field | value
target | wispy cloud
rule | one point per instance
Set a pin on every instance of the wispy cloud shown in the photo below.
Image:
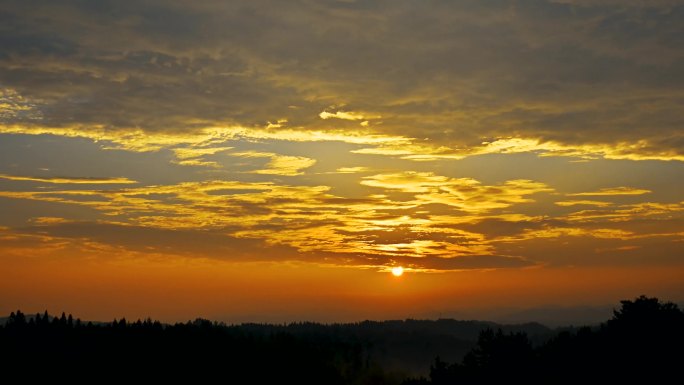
(68, 180)
(192, 156)
(279, 164)
(511, 75)
(346, 115)
(612, 191)
(304, 141)
(438, 217)
(352, 170)
(582, 203)
(463, 193)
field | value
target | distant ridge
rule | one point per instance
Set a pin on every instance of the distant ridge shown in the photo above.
(408, 345)
(642, 332)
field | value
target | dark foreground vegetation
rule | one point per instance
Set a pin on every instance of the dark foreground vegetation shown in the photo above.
(642, 343)
(644, 339)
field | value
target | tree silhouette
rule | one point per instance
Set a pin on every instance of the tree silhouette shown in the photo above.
(643, 340)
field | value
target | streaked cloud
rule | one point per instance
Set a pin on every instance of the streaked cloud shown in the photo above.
(557, 78)
(629, 212)
(583, 203)
(412, 182)
(13, 106)
(347, 115)
(610, 191)
(439, 219)
(352, 170)
(68, 180)
(463, 193)
(279, 164)
(194, 156)
(49, 220)
(438, 135)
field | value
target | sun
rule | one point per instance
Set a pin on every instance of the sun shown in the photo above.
(397, 271)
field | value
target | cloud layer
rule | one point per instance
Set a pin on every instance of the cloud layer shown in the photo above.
(567, 78)
(439, 135)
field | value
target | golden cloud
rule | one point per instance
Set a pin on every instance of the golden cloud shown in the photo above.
(403, 147)
(639, 150)
(463, 193)
(412, 150)
(310, 219)
(307, 218)
(192, 156)
(347, 115)
(408, 181)
(279, 164)
(190, 97)
(610, 191)
(49, 220)
(626, 213)
(582, 203)
(68, 180)
(352, 170)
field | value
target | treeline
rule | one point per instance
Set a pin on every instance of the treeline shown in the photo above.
(64, 348)
(404, 347)
(642, 343)
(380, 352)
(644, 339)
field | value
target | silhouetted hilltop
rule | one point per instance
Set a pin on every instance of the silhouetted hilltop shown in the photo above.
(407, 346)
(643, 335)
(641, 343)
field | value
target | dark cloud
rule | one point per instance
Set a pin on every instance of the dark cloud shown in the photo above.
(498, 227)
(585, 250)
(426, 263)
(188, 243)
(574, 72)
(467, 262)
(218, 245)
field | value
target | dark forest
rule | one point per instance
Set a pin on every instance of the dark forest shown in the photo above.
(643, 339)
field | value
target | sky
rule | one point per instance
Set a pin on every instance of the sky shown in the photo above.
(273, 161)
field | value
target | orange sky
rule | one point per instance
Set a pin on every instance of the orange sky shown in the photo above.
(179, 289)
(263, 160)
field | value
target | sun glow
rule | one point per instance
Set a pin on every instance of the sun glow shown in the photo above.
(397, 271)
